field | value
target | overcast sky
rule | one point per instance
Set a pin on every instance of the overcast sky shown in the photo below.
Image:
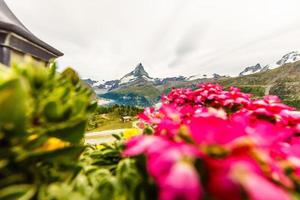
(104, 39)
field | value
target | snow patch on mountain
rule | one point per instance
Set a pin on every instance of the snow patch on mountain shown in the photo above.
(98, 83)
(138, 74)
(127, 79)
(251, 70)
(203, 76)
(291, 57)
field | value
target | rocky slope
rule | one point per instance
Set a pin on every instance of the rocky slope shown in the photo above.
(283, 81)
(288, 58)
(251, 70)
(140, 89)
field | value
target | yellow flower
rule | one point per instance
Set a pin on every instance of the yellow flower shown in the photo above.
(54, 144)
(129, 133)
(99, 146)
(32, 137)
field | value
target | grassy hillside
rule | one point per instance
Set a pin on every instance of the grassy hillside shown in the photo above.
(108, 121)
(109, 118)
(143, 95)
(283, 82)
(149, 91)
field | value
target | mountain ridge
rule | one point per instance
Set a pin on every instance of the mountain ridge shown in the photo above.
(139, 88)
(287, 58)
(283, 81)
(140, 76)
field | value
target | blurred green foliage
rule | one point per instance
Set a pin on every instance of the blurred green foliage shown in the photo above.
(42, 122)
(103, 175)
(42, 153)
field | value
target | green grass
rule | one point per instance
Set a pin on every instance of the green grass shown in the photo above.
(108, 121)
(283, 82)
(295, 103)
(257, 90)
(149, 91)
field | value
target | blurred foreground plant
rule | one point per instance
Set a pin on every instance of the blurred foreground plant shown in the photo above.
(103, 175)
(207, 143)
(42, 122)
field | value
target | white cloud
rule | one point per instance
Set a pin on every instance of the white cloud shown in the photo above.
(104, 39)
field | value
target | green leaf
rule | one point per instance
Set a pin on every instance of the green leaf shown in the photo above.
(117, 136)
(20, 192)
(72, 132)
(55, 113)
(13, 101)
(71, 75)
(105, 189)
(92, 107)
(51, 111)
(64, 155)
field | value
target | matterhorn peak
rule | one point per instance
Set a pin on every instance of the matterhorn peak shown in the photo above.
(138, 74)
(139, 71)
(139, 66)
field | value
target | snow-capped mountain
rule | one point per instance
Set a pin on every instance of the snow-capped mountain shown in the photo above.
(138, 88)
(162, 81)
(90, 81)
(98, 83)
(101, 87)
(139, 76)
(288, 58)
(94, 83)
(203, 76)
(251, 70)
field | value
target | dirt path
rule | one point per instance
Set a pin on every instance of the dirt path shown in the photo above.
(101, 136)
(267, 90)
(271, 84)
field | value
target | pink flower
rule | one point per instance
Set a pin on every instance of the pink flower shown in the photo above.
(220, 185)
(290, 118)
(181, 183)
(214, 130)
(242, 148)
(169, 156)
(144, 144)
(269, 107)
(256, 186)
(168, 165)
(150, 116)
(266, 133)
(297, 128)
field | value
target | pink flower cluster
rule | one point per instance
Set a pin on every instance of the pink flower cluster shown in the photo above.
(210, 143)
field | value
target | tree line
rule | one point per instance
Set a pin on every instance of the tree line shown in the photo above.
(121, 110)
